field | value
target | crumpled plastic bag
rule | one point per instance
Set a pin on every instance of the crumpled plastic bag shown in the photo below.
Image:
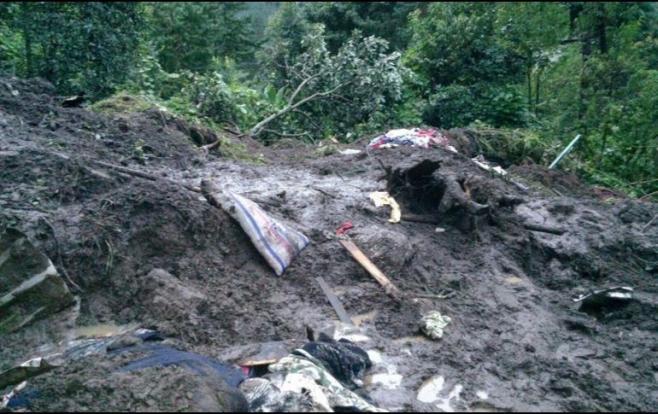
(433, 323)
(383, 198)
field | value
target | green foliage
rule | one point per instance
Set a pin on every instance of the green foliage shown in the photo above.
(77, 46)
(123, 102)
(511, 145)
(530, 76)
(467, 70)
(386, 20)
(188, 36)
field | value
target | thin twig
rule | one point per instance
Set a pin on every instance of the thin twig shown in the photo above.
(59, 256)
(649, 223)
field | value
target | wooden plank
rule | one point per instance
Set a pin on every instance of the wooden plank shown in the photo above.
(335, 302)
(374, 271)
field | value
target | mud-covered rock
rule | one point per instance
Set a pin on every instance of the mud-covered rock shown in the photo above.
(30, 286)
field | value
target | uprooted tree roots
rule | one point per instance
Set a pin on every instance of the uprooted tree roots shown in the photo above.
(431, 195)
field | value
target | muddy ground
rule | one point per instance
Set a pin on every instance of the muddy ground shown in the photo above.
(516, 341)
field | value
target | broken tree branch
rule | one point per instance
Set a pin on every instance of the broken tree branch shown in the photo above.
(258, 128)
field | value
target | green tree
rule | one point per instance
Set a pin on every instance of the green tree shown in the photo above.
(386, 20)
(467, 71)
(77, 46)
(187, 36)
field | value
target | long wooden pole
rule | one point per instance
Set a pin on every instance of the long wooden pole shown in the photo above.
(374, 271)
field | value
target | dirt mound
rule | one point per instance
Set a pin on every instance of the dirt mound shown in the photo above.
(157, 254)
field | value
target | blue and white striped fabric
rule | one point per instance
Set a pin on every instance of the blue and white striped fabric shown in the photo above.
(279, 244)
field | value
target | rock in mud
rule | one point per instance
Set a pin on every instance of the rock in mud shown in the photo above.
(30, 287)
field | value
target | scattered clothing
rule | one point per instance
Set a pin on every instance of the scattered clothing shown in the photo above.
(605, 300)
(432, 324)
(299, 382)
(344, 360)
(383, 198)
(416, 137)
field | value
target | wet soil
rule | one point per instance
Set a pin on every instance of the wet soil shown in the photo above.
(158, 255)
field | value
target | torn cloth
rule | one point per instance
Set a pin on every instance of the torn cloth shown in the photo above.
(301, 383)
(344, 360)
(416, 137)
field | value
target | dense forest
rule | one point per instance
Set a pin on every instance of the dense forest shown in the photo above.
(537, 74)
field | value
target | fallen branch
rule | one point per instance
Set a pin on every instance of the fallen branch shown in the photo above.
(257, 129)
(544, 229)
(211, 145)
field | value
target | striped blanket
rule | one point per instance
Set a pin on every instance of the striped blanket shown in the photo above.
(278, 243)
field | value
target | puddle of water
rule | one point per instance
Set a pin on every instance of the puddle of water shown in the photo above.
(387, 380)
(411, 339)
(364, 317)
(481, 395)
(351, 333)
(444, 404)
(375, 357)
(429, 391)
(102, 330)
(513, 280)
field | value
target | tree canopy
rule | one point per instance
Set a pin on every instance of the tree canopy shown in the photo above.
(318, 70)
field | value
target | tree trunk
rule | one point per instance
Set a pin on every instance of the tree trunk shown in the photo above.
(27, 40)
(601, 29)
(529, 63)
(539, 71)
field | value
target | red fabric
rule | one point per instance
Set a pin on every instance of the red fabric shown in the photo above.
(344, 228)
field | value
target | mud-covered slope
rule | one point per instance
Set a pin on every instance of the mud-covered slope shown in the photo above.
(516, 335)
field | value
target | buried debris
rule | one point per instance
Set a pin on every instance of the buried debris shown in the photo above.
(31, 288)
(131, 368)
(278, 243)
(303, 383)
(383, 198)
(433, 323)
(605, 300)
(346, 361)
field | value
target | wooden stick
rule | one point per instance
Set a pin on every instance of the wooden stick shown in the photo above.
(374, 271)
(419, 218)
(335, 302)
